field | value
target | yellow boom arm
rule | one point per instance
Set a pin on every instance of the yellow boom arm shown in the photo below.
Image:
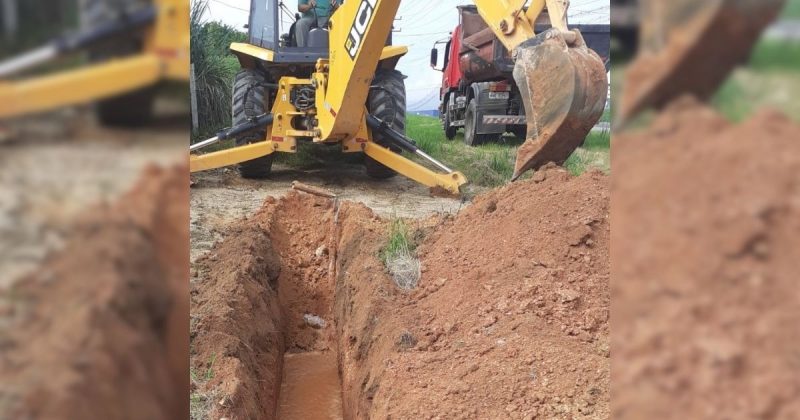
(165, 57)
(358, 33)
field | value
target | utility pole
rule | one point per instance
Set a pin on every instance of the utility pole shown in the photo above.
(193, 95)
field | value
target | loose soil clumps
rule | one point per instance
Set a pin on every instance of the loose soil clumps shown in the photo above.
(705, 247)
(510, 319)
(100, 330)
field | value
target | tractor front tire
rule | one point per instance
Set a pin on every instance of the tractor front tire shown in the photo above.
(387, 102)
(251, 98)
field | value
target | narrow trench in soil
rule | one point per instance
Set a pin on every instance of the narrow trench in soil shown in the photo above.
(311, 385)
(311, 389)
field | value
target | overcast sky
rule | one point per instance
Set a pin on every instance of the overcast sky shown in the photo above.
(420, 24)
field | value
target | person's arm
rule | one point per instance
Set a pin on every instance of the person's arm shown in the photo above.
(305, 7)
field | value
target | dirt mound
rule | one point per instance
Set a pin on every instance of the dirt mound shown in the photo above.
(510, 319)
(705, 248)
(99, 331)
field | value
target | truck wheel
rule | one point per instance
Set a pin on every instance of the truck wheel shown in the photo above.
(520, 131)
(449, 130)
(251, 99)
(471, 137)
(130, 109)
(386, 101)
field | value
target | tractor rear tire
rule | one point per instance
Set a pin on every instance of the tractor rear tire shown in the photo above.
(130, 109)
(471, 136)
(251, 99)
(386, 101)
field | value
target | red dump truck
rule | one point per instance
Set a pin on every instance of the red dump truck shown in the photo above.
(478, 92)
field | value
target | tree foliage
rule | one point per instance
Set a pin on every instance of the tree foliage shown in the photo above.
(214, 69)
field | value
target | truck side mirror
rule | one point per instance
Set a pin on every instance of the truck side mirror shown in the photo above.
(435, 58)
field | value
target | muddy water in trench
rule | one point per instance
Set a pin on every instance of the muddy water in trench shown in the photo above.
(311, 389)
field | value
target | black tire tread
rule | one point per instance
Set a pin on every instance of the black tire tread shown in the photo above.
(471, 138)
(449, 131)
(387, 101)
(129, 109)
(250, 99)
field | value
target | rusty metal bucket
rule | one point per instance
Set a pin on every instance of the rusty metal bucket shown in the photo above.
(690, 47)
(564, 89)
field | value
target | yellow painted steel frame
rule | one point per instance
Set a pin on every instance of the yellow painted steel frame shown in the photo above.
(447, 182)
(513, 25)
(359, 29)
(282, 137)
(165, 57)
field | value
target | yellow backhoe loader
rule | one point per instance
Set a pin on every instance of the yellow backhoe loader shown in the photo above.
(132, 46)
(342, 87)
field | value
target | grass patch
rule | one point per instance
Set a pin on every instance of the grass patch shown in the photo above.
(731, 101)
(606, 115)
(200, 403)
(488, 165)
(748, 90)
(399, 258)
(400, 241)
(791, 10)
(598, 140)
(491, 165)
(771, 54)
(200, 406)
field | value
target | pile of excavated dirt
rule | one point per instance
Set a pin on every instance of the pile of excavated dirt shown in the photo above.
(100, 330)
(705, 248)
(510, 319)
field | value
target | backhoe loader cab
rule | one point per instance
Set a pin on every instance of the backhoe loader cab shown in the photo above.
(272, 26)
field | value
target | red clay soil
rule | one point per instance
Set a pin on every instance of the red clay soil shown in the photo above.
(510, 319)
(249, 296)
(705, 248)
(100, 330)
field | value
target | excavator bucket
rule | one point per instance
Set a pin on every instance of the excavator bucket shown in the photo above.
(564, 89)
(690, 47)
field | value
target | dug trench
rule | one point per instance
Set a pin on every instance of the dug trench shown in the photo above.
(295, 316)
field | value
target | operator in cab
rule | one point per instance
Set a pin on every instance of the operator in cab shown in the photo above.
(316, 14)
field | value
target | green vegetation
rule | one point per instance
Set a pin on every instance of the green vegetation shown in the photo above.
(214, 70)
(491, 165)
(775, 55)
(400, 241)
(792, 10)
(399, 258)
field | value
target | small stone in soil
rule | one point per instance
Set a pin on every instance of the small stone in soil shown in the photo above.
(314, 321)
